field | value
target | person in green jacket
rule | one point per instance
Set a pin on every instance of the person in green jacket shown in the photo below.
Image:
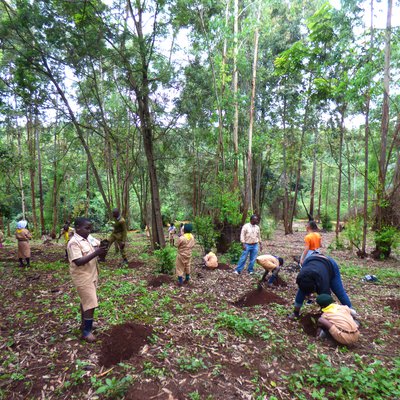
(119, 234)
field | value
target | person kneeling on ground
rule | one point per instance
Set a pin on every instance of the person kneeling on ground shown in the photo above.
(83, 269)
(210, 259)
(270, 264)
(337, 320)
(184, 256)
(319, 274)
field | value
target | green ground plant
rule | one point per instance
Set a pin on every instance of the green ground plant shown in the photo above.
(325, 381)
(234, 252)
(165, 260)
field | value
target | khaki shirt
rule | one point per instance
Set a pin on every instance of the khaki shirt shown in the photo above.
(250, 234)
(341, 317)
(87, 273)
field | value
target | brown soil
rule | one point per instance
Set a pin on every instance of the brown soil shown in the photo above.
(159, 280)
(258, 297)
(394, 304)
(123, 342)
(280, 282)
(223, 267)
(309, 323)
(136, 264)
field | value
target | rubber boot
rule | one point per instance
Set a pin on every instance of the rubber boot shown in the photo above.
(87, 331)
(21, 263)
(28, 262)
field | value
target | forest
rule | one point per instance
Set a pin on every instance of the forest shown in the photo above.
(172, 110)
(206, 112)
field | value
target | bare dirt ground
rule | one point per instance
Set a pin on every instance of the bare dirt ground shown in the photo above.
(218, 337)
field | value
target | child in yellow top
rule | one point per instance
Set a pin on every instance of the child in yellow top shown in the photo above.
(210, 259)
(313, 241)
(184, 256)
(338, 320)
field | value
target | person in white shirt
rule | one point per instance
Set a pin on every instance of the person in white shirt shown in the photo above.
(250, 238)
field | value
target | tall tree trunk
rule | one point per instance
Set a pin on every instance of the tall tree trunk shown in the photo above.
(248, 195)
(39, 160)
(32, 169)
(156, 219)
(384, 123)
(235, 96)
(285, 210)
(54, 196)
(314, 173)
(320, 193)
(21, 172)
(340, 172)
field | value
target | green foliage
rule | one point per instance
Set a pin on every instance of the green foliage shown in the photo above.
(386, 239)
(268, 227)
(325, 381)
(234, 252)
(191, 364)
(326, 222)
(114, 388)
(354, 232)
(205, 232)
(166, 259)
(243, 326)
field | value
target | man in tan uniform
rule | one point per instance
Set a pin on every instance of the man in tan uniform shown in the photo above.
(184, 256)
(84, 273)
(337, 320)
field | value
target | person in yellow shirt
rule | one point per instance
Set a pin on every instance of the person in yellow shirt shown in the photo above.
(184, 257)
(67, 231)
(210, 259)
(313, 241)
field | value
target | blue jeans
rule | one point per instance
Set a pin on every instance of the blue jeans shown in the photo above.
(336, 285)
(251, 249)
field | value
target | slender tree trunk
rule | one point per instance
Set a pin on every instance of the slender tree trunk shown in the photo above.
(314, 173)
(21, 172)
(32, 169)
(39, 160)
(340, 172)
(248, 195)
(320, 193)
(285, 216)
(384, 122)
(54, 197)
(235, 96)
(349, 194)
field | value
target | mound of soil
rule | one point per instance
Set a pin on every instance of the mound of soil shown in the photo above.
(123, 342)
(223, 266)
(257, 297)
(309, 323)
(394, 304)
(135, 264)
(159, 280)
